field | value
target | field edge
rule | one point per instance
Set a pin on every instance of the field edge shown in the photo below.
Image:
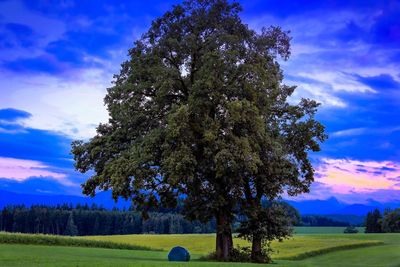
(323, 251)
(51, 240)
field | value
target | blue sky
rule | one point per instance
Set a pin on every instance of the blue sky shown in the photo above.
(58, 57)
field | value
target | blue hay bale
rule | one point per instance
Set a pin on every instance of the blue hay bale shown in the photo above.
(179, 254)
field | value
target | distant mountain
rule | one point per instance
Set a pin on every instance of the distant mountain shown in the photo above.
(101, 199)
(321, 207)
(333, 206)
(357, 209)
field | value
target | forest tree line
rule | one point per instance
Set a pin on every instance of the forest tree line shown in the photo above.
(388, 222)
(84, 220)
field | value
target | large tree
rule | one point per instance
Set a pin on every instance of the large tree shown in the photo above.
(200, 110)
(281, 142)
(391, 221)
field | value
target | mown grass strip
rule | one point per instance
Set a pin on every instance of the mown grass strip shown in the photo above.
(313, 253)
(50, 240)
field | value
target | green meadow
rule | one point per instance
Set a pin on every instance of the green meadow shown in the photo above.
(202, 244)
(311, 246)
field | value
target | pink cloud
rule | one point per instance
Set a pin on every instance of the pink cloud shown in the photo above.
(346, 176)
(21, 170)
(355, 181)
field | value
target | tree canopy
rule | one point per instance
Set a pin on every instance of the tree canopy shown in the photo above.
(200, 109)
(373, 222)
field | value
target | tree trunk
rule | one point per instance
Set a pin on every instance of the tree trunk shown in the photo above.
(224, 242)
(256, 247)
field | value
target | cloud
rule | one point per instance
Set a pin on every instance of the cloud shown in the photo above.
(355, 181)
(365, 131)
(43, 154)
(325, 86)
(386, 29)
(41, 64)
(62, 80)
(17, 141)
(27, 32)
(318, 92)
(10, 120)
(71, 107)
(65, 37)
(346, 176)
(21, 170)
(379, 82)
(339, 81)
(323, 191)
(76, 64)
(18, 35)
(349, 132)
(10, 114)
(335, 46)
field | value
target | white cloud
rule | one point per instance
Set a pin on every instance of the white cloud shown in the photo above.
(349, 132)
(364, 131)
(72, 106)
(339, 81)
(316, 92)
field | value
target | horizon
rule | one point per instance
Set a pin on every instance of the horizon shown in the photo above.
(56, 64)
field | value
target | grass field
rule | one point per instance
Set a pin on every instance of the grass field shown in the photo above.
(204, 243)
(326, 243)
(34, 239)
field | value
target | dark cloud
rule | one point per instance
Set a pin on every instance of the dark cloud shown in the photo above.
(77, 46)
(351, 32)
(339, 168)
(41, 64)
(92, 31)
(20, 142)
(382, 33)
(387, 169)
(11, 114)
(19, 30)
(64, 51)
(16, 35)
(386, 30)
(383, 81)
